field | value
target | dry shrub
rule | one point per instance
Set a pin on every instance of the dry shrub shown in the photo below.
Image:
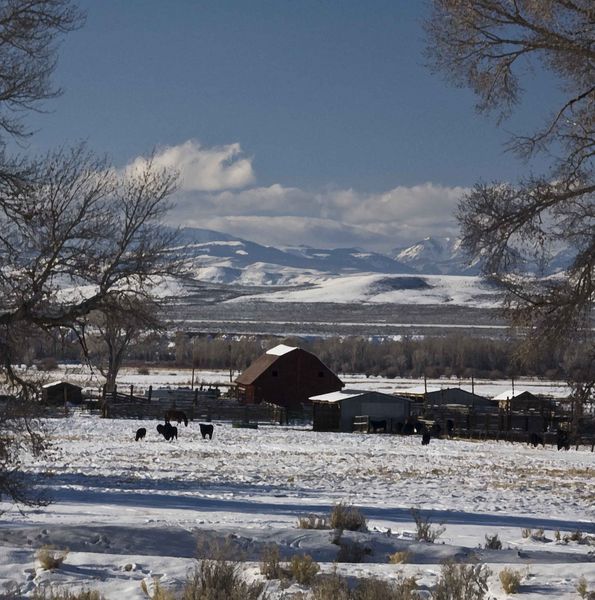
(526, 533)
(344, 516)
(50, 557)
(493, 542)
(352, 552)
(157, 593)
(539, 536)
(377, 589)
(313, 522)
(461, 582)
(60, 594)
(222, 549)
(303, 568)
(331, 587)
(581, 587)
(510, 580)
(425, 532)
(574, 536)
(270, 565)
(143, 371)
(217, 579)
(399, 558)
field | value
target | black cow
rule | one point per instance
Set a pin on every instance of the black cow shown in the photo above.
(168, 431)
(535, 439)
(140, 433)
(379, 425)
(562, 439)
(425, 438)
(206, 429)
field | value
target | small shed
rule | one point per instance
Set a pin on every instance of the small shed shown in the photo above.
(458, 397)
(524, 401)
(286, 376)
(338, 410)
(59, 393)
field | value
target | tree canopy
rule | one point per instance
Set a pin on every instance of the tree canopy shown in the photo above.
(493, 47)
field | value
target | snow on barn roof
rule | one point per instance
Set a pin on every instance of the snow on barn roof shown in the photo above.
(420, 389)
(338, 395)
(281, 349)
(508, 394)
(52, 384)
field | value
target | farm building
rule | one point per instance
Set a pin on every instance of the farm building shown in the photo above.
(338, 411)
(458, 397)
(523, 400)
(59, 393)
(286, 376)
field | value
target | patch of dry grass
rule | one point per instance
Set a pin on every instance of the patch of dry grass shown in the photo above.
(50, 557)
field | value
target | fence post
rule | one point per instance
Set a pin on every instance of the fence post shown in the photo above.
(150, 392)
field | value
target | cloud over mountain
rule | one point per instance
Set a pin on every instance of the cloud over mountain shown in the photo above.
(217, 191)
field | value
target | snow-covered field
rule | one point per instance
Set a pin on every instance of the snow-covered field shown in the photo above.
(130, 511)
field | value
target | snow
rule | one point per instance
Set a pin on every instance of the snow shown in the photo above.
(338, 396)
(281, 349)
(382, 288)
(510, 393)
(130, 511)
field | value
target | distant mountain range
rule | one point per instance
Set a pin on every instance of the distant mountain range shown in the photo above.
(222, 258)
(432, 271)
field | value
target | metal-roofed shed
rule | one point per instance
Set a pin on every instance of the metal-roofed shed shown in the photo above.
(336, 411)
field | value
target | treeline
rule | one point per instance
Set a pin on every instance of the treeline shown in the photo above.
(451, 355)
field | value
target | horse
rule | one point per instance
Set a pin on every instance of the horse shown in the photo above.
(140, 433)
(206, 429)
(176, 415)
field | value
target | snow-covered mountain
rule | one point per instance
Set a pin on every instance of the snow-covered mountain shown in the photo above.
(432, 271)
(221, 258)
(444, 256)
(435, 256)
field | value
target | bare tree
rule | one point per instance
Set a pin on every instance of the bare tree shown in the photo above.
(109, 334)
(76, 235)
(492, 46)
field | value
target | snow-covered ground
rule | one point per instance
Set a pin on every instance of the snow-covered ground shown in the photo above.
(130, 511)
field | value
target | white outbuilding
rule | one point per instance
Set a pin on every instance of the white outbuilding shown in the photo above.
(350, 410)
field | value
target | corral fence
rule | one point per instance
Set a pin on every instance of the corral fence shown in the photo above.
(198, 405)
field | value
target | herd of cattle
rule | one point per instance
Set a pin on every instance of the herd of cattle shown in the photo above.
(170, 432)
(428, 431)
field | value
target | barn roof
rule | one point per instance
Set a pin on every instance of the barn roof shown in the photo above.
(420, 389)
(509, 394)
(256, 369)
(340, 395)
(281, 349)
(52, 384)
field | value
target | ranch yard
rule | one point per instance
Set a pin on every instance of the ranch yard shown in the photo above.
(131, 511)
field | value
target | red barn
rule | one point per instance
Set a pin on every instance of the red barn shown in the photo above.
(286, 376)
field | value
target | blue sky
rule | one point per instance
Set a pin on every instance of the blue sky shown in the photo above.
(315, 116)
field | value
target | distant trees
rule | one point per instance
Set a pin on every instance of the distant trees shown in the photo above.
(491, 46)
(76, 236)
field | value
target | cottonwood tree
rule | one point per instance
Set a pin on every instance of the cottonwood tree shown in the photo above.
(76, 235)
(110, 333)
(492, 47)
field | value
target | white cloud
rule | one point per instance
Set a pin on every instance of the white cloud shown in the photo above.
(215, 193)
(203, 169)
(277, 215)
